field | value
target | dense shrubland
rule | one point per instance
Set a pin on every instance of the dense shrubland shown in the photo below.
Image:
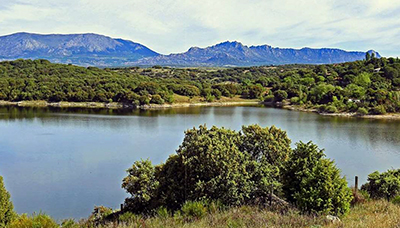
(371, 86)
(22, 80)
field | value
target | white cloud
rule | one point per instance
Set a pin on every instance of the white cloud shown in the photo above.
(175, 25)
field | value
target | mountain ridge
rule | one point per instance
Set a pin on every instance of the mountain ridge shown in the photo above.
(81, 49)
(90, 49)
(236, 54)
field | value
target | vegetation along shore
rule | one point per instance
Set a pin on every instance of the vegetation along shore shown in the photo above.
(363, 88)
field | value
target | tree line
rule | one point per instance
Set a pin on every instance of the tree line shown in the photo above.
(370, 86)
(22, 80)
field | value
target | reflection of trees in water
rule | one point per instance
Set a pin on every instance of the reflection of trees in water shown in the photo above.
(15, 112)
(86, 117)
(373, 132)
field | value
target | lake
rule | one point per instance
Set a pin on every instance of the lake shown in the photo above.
(65, 161)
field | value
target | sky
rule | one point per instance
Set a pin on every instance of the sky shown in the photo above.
(172, 26)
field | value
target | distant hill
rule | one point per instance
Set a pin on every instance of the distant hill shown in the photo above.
(237, 54)
(79, 49)
(98, 50)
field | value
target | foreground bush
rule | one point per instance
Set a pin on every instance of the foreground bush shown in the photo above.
(194, 210)
(34, 221)
(238, 168)
(6, 206)
(141, 184)
(313, 183)
(211, 164)
(383, 185)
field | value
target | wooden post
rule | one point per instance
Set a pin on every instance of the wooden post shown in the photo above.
(356, 184)
(270, 195)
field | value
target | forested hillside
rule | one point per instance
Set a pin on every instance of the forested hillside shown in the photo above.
(370, 86)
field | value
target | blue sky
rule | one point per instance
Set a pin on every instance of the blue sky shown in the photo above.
(170, 26)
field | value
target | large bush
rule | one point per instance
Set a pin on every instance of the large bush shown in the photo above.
(6, 206)
(236, 168)
(383, 185)
(313, 183)
(211, 164)
(269, 149)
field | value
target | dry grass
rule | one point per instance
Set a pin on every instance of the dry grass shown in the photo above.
(184, 99)
(372, 214)
(236, 98)
(234, 218)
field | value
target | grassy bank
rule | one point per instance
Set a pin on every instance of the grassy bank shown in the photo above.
(371, 214)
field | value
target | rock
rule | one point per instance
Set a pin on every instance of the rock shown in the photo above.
(333, 219)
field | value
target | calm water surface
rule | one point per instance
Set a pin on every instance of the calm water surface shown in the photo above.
(63, 162)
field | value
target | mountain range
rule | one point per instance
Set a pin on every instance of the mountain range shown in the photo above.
(98, 50)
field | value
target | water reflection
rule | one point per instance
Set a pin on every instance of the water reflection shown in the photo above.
(73, 159)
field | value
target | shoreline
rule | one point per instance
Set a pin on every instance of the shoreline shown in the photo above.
(115, 105)
(388, 116)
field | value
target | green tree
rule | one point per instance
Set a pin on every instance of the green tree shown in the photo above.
(313, 183)
(280, 95)
(266, 145)
(156, 99)
(367, 56)
(383, 185)
(390, 72)
(144, 99)
(363, 79)
(214, 167)
(253, 91)
(322, 93)
(147, 87)
(7, 213)
(141, 184)
(355, 91)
